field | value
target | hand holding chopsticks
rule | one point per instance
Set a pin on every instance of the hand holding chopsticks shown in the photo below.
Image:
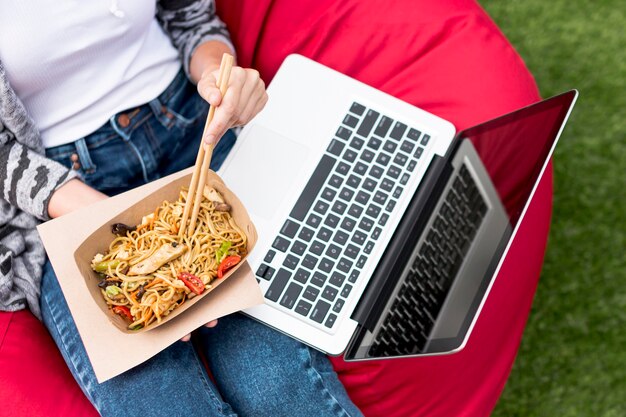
(203, 160)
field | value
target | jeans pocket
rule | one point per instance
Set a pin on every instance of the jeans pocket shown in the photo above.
(182, 108)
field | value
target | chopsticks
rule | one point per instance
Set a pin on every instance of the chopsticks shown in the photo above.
(203, 160)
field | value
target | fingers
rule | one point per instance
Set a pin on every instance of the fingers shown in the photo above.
(211, 324)
(186, 338)
(244, 98)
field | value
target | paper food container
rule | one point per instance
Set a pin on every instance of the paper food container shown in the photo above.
(99, 241)
(72, 240)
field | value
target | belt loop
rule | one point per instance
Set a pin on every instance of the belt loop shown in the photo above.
(84, 157)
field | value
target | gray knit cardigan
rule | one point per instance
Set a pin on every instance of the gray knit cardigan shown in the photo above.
(28, 179)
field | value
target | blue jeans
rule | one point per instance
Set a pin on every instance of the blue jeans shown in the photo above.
(258, 371)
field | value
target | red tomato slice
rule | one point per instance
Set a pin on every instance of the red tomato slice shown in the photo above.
(123, 311)
(226, 264)
(192, 282)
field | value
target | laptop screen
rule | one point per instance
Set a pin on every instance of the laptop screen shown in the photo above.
(514, 150)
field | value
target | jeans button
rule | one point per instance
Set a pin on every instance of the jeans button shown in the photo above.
(123, 120)
(74, 157)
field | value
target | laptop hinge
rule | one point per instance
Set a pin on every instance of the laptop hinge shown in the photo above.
(389, 269)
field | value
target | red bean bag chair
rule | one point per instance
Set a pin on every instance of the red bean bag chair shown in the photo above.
(444, 56)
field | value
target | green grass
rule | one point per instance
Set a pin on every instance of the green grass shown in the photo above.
(572, 361)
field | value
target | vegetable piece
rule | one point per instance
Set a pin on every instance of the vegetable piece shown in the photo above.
(163, 255)
(104, 265)
(136, 327)
(112, 290)
(192, 282)
(121, 229)
(123, 311)
(223, 250)
(226, 264)
(225, 207)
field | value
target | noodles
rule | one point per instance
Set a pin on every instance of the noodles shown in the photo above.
(148, 271)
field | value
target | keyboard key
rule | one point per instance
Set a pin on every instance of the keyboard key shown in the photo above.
(291, 295)
(418, 152)
(317, 247)
(400, 159)
(361, 262)
(397, 192)
(328, 194)
(314, 220)
(390, 146)
(311, 293)
(302, 275)
(329, 293)
(335, 147)
(261, 271)
(350, 121)
(355, 210)
(346, 194)
(404, 179)
(411, 166)
(383, 219)
(291, 261)
(407, 146)
(383, 159)
(357, 108)
(340, 237)
(376, 233)
(376, 171)
(357, 143)
(390, 205)
(320, 207)
(269, 274)
(367, 123)
(335, 181)
(318, 279)
(331, 221)
(338, 305)
(312, 188)
(343, 168)
(425, 140)
(346, 291)
(324, 234)
(414, 134)
(387, 184)
(398, 131)
(303, 308)
(369, 184)
(326, 265)
(344, 265)
(339, 207)
(343, 133)
(289, 228)
(368, 247)
(380, 197)
(360, 168)
(362, 197)
(394, 171)
(333, 251)
(366, 224)
(330, 321)
(353, 181)
(383, 126)
(373, 210)
(319, 311)
(269, 256)
(309, 261)
(281, 244)
(374, 143)
(347, 224)
(349, 155)
(367, 155)
(337, 279)
(359, 238)
(351, 251)
(278, 285)
(306, 234)
(354, 275)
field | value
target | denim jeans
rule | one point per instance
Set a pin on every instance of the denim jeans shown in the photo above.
(257, 371)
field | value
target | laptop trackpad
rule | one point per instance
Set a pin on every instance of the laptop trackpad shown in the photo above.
(263, 168)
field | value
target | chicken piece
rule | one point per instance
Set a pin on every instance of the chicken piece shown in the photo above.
(213, 195)
(163, 255)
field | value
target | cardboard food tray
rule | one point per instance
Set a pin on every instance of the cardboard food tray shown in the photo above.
(99, 241)
(69, 240)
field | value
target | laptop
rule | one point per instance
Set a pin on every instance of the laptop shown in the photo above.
(381, 230)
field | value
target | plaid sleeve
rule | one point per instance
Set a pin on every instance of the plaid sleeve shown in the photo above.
(190, 23)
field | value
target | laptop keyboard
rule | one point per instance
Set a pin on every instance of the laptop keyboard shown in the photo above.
(337, 220)
(422, 294)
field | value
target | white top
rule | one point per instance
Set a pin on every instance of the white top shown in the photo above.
(75, 63)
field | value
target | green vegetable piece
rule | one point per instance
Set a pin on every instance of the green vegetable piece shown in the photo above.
(136, 327)
(112, 290)
(223, 250)
(104, 265)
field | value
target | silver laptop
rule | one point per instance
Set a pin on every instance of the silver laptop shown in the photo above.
(380, 231)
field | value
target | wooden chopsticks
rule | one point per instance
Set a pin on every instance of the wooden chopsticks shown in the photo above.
(203, 160)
